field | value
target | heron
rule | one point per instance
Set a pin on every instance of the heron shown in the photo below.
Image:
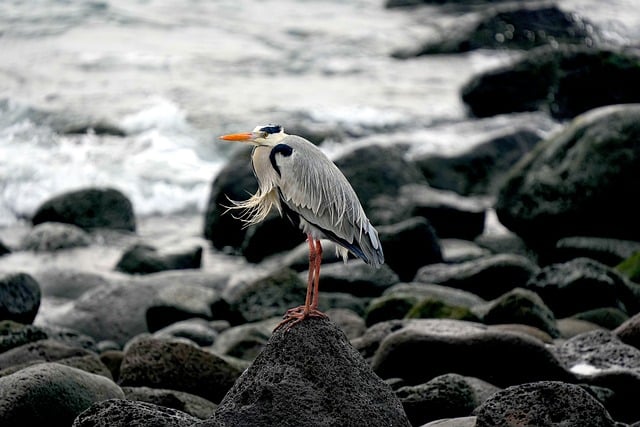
(303, 184)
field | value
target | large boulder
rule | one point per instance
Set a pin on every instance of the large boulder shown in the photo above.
(309, 375)
(558, 80)
(19, 297)
(89, 208)
(579, 181)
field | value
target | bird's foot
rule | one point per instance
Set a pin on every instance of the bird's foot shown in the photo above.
(296, 315)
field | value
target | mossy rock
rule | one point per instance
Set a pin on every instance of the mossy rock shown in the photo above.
(431, 308)
(630, 267)
(389, 307)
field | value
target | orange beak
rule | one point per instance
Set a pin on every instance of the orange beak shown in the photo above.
(237, 136)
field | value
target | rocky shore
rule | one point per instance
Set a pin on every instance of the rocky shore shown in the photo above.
(510, 295)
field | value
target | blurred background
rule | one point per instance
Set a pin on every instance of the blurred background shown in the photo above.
(133, 94)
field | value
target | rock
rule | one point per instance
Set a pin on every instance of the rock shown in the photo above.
(582, 284)
(88, 208)
(519, 306)
(19, 297)
(356, 277)
(362, 168)
(177, 366)
(274, 235)
(577, 182)
(4, 249)
(465, 348)
(145, 259)
(515, 28)
(191, 404)
(112, 359)
(453, 422)
(450, 296)
(234, 182)
(610, 252)
(51, 394)
(570, 327)
(481, 169)
(543, 403)
(557, 79)
(629, 331)
(331, 384)
(409, 245)
(348, 321)
(445, 396)
(14, 334)
(245, 341)
(266, 294)
(388, 307)
(53, 236)
(68, 283)
(487, 277)
(607, 317)
(197, 330)
(177, 302)
(119, 412)
(431, 308)
(46, 350)
(596, 352)
(456, 251)
(450, 214)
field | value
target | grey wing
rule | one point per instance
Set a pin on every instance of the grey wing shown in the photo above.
(312, 186)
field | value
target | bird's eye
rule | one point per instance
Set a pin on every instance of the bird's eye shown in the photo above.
(264, 134)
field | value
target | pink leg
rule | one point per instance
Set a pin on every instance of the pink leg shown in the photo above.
(310, 307)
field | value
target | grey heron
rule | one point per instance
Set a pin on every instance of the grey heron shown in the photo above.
(302, 183)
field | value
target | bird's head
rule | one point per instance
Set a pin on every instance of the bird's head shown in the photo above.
(269, 135)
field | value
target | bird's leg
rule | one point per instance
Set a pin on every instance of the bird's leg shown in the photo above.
(309, 309)
(316, 279)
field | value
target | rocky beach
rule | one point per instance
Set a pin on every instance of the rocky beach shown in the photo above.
(510, 293)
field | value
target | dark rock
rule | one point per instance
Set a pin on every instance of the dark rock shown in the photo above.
(191, 404)
(378, 170)
(456, 251)
(119, 412)
(543, 403)
(178, 302)
(515, 28)
(4, 249)
(445, 396)
(449, 295)
(145, 259)
(19, 297)
(450, 214)
(596, 352)
(582, 284)
(607, 317)
(607, 251)
(557, 79)
(629, 331)
(46, 350)
(352, 324)
(53, 236)
(431, 308)
(234, 182)
(89, 208)
(570, 327)
(487, 277)
(578, 182)
(66, 282)
(356, 278)
(481, 169)
(408, 245)
(177, 366)
(265, 295)
(245, 341)
(51, 394)
(112, 359)
(14, 334)
(520, 306)
(195, 329)
(465, 348)
(274, 235)
(309, 375)
(388, 307)
(411, 3)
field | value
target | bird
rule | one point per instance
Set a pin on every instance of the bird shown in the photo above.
(303, 184)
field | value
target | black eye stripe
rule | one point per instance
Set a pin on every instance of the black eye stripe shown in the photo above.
(270, 129)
